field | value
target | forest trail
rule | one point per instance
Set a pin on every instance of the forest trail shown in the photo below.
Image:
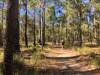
(67, 58)
(60, 60)
(60, 52)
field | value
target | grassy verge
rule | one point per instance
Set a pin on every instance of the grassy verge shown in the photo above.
(93, 55)
(24, 66)
(84, 50)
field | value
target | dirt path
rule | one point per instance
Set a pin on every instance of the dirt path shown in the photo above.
(63, 61)
(67, 58)
(60, 52)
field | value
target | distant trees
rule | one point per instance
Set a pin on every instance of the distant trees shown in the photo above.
(97, 21)
(79, 7)
(98, 34)
(52, 19)
(68, 28)
(33, 5)
(80, 24)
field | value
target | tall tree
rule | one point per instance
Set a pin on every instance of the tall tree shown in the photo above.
(34, 27)
(25, 34)
(11, 36)
(80, 12)
(1, 27)
(52, 19)
(80, 24)
(43, 22)
(33, 4)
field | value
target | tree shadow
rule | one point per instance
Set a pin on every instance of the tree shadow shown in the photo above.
(1, 68)
(22, 69)
(68, 71)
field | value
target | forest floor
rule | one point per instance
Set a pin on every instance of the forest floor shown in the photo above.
(58, 61)
(68, 61)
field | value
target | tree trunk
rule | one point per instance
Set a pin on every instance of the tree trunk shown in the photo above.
(25, 34)
(1, 41)
(53, 35)
(43, 22)
(79, 29)
(98, 34)
(11, 36)
(1, 29)
(34, 27)
(40, 28)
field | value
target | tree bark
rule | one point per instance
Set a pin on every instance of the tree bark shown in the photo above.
(43, 22)
(25, 34)
(1, 40)
(79, 28)
(11, 36)
(1, 29)
(40, 33)
(34, 27)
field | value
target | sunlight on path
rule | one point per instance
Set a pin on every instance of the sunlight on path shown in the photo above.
(65, 60)
(59, 58)
(59, 52)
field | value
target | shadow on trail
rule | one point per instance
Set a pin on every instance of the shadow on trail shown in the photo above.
(69, 72)
(1, 68)
(21, 69)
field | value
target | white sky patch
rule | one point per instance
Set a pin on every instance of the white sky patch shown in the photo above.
(62, 0)
(85, 1)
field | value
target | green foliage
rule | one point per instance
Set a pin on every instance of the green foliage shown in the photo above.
(33, 3)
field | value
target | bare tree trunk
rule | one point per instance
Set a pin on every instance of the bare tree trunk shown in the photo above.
(11, 36)
(25, 34)
(43, 21)
(53, 34)
(40, 28)
(98, 34)
(34, 27)
(1, 41)
(79, 29)
(1, 29)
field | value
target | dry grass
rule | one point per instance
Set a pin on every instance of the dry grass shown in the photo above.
(36, 59)
(1, 55)
(88, 50)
